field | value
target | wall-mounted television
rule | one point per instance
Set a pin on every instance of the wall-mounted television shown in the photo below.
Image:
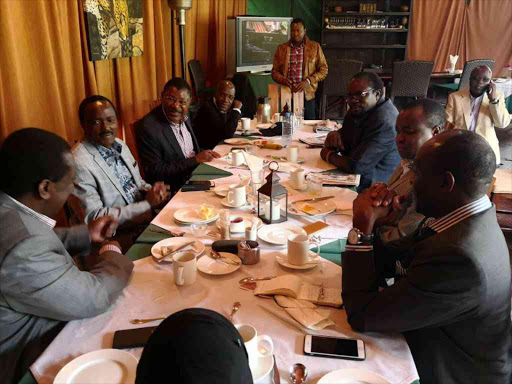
(252, 41)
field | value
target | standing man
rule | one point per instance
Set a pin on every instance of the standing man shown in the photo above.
(453, 303)
(40, 286)
(300, 64)
(365, 144)
(167, 145)
(480, 109)
(218, 118)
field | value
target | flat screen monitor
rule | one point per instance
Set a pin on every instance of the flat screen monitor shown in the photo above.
(256, 41)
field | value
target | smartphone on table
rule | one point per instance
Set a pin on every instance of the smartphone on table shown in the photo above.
(335, 347)
(132, 338)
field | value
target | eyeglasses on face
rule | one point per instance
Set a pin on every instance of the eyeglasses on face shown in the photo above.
(361, 95)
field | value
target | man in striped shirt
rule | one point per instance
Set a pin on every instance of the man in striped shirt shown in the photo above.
(453, 304)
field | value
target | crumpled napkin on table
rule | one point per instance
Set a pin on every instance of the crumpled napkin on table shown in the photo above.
(305, 312)
(453, 61)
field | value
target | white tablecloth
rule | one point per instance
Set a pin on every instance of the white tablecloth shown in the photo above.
(152, 293)
(505, 87)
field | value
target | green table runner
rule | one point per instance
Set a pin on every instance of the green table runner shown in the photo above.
(207, 172)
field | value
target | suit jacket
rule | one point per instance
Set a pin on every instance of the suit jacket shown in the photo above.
(314, 65)
(160, 152)
(40, 285)
(453, 306)
(491, 116)
(98, 191)
(211, 126)
(369, 141)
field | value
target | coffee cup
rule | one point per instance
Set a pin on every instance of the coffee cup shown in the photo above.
(252, 344)
(184, 267)
(246, 123)
(236, 195)
(277, 117)
(293, 154)
(297, 178)
(298, 249)
(237, 225)
(237, 157)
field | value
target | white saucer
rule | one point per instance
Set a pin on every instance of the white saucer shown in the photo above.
(278, 233)
(352, 376)
(265, 365)
(248, 217)
(221, 190)
(282, 259)
(225, 203)
(191, 216)
(105, 366)
(218, 267)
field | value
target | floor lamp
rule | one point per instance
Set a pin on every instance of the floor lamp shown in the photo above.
(180, 6)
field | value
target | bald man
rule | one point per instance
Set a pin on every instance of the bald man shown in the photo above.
(218, 118)
(480, 109)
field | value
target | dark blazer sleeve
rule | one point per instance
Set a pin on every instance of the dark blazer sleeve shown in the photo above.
(211, 127)
(377, 140)
(159, 159)
(444, 287)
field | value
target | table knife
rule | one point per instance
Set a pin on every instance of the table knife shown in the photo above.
(314, 200)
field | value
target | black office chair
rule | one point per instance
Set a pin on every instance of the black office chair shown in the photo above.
(411, 79)
(196, 71)
(340, 73)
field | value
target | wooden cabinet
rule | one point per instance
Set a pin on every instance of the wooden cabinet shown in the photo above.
(374, 32)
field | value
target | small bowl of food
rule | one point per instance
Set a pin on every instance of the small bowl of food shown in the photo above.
(198, 229)
(206, 212)
(237, 225)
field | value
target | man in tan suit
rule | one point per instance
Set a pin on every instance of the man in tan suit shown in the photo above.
(300, 64)
(480, 109)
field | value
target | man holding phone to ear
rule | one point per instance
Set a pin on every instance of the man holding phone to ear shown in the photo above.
(480, 109)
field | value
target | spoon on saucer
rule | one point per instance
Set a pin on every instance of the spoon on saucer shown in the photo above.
(298, 373)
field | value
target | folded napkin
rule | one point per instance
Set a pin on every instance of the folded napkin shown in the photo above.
(207, 172)
(332, 251)
(453, 62)
(254, 163)
(305, 312)
(151, 237)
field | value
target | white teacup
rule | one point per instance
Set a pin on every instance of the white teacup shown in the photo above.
(237, 157)
(277, 117)
(293, 153)
(298, 249)
(236, 195)
(237, 224)
(252, 344)
(297, 178)
(246, 123)
(184, 267)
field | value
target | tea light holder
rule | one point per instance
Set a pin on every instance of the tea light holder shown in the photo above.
(269, 195)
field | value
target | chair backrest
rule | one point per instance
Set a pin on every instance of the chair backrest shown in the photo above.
(340, 73)
(411, 78)
(468, 68)
(194, 66)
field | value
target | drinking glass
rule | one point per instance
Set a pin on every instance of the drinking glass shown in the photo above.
(315, 185)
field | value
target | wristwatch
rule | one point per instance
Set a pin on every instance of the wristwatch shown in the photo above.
(355, 237)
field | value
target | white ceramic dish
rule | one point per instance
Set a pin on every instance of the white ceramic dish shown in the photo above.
(278, 233)
(198, 247)
(352, 376)
(106, 366)
(248, 217)
(191, 216)
(225, 203)
(282, 259)
(263, 369)
(237, 141)
(218, 267)
(319, 208)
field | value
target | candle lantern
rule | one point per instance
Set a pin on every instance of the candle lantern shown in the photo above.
(269, 197)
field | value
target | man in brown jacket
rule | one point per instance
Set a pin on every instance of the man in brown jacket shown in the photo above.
(300, 64)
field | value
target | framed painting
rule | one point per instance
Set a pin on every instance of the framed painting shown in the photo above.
(114, 28)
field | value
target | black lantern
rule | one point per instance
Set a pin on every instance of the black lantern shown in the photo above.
(269, 196)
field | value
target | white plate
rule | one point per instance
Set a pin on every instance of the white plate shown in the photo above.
(218, 267)
(191, 216)
(265, 365)
(352, 376)
(282, 258)
(247, 220)
(263, 142)
(278, 233)
(321, 208)
(237, 141)
(197, 247)
(106, 366)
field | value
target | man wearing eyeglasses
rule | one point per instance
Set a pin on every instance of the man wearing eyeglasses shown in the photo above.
(480, 109)
(365, 144)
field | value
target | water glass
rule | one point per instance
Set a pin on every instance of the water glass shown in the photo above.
(315, 186)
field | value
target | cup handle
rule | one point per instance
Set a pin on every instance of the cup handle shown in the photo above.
(180, 280)
(230, 193)
(268, 340)
(317, 253)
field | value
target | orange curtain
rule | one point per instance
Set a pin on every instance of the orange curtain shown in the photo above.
(45, 71)
(480, 30)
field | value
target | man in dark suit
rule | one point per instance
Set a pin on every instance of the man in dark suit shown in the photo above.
(453, 302)
(365, 145)
(218, 118)
(168, 148)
